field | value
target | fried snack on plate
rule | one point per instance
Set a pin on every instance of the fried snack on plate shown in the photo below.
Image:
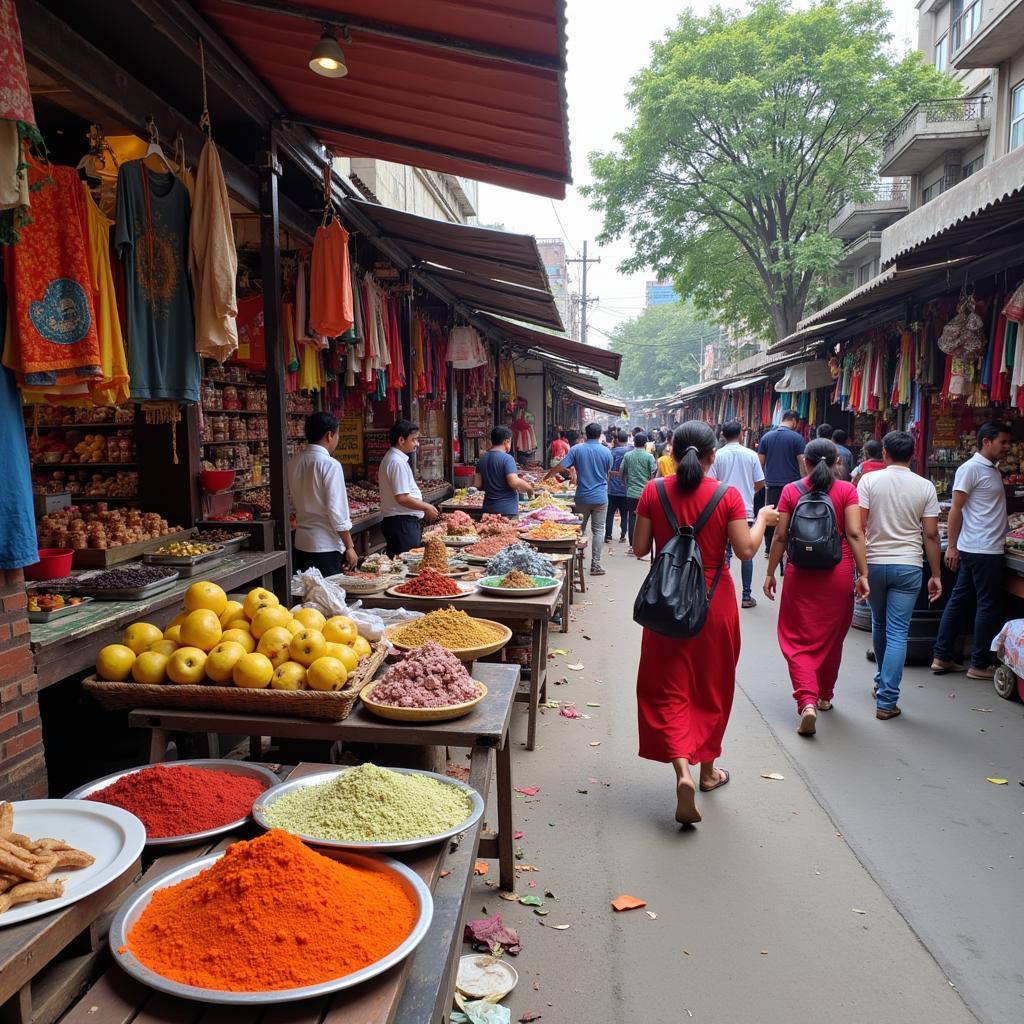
(6, 816)
(29, 891)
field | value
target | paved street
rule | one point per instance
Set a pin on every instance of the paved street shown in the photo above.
(880, 880)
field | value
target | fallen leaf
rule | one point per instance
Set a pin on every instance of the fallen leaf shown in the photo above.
(485, 934)
(997, 782)
(528, 1015)
(559, 650)
(542, 913)
(764, 952)
(578, 667)
(481, 867)
(527, 790)
(531, 901)
(585, 637)
(626, 902)
(532, 884)
(983, 710)
(651, 914)
(527, 867)
(596, 743)
(560, 927)
(583, 791)
(567, 712)
(686, 952)
(856, 911)
(445, 873)
(775, 776)
(511, 897)
(553, 705)
(536, 986)
(591, 704)
(550, 895)
(517, 835)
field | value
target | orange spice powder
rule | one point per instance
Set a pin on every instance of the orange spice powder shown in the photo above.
(272, 914)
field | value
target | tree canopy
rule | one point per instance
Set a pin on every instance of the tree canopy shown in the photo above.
(750, 133)
(661, 350)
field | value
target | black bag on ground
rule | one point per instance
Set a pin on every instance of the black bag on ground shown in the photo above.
(814, 541)
(674, 599)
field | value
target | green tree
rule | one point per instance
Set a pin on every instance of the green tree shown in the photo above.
(750, 132)
(661, 349)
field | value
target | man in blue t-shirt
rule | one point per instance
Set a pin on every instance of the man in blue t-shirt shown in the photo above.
(616, 488)
(592, 462)
(497, 475)
(781, 451)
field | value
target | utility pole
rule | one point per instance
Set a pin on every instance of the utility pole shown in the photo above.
(585, 299)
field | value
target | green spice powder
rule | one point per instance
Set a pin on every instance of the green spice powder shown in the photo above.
(370, 804)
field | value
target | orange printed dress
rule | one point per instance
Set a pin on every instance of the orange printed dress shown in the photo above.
(53, 342)
(330, 286)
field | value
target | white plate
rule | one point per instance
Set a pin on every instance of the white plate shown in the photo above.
(518, 591)
(465, 589)
(113, 836)
(481, 977)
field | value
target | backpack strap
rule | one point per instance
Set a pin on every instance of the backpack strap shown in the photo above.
(801, 487)
(659, 486)
(710, 507)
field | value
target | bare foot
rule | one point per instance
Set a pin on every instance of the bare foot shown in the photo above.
(686, 803)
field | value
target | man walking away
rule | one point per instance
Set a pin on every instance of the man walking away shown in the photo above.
(872, 460)
(780, 452)
(739, 467)
(638, 467)
(977, 532)
(825, 430)
(616, 489)
(401, 500)
(900, 510)
(840, 438)
(592, 462)
(316, 484)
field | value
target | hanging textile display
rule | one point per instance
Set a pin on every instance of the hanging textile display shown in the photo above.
(330, 290)
(53, 344)
(153, 215)
(465, 349)
(213, 260)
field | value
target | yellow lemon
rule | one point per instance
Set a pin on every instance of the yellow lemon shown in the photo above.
(164, 647)
(205, 595)
(326, 674)
(232, 610)
(258, 598)
(294, 627)
(241, 623)
(289, 676)
(274, 645)
(187, 665)
(362, 647)
(239, 636)
(173, 633)
(267, 618)
(253, 671)
(348, 657)
(311, 618)
(307, 646)
(178, 619)
(340, 629)
(114, 663)
(221, 661)
(150, 667)
(139, 635)
(201, 629)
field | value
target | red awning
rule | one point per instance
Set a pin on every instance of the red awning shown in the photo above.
(465, 87)
(601, 359)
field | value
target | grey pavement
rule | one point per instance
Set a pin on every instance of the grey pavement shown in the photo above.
(875, 882)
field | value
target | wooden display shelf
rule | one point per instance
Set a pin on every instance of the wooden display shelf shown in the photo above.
(243, 440)
(234, 384)
(93, 498)
(129, 425)
(85, 465)
(236, 412)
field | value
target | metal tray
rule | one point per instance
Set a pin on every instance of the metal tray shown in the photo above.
(129, 593)
(251, 771)
(132, 908)
(59, 613)
(176, 561)
(188, 571)
(231, 547)
(476, 810)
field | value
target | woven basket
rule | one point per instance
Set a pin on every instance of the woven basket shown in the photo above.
(292, 703)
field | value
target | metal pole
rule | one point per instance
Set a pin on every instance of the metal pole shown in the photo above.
(585, 298)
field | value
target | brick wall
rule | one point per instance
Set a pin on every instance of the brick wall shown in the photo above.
(22, 766)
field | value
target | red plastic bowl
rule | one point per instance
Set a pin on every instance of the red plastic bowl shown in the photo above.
(464, 471)
(215, 480)
(53, 564)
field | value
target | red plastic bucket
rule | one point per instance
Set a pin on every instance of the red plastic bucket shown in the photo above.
(53, 564)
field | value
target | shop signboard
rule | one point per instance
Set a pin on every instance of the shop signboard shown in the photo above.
(377, 445)
(476, 421)
(350, 439)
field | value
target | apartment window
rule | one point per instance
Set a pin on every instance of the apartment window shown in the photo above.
(965, 21)
(941, 53)
(928, 194)
(1017, 117)
(970, 168)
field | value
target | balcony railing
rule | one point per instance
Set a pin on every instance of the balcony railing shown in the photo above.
(976, 108)
(964, 28)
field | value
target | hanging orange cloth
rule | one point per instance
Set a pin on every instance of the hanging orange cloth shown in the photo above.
(330, 286)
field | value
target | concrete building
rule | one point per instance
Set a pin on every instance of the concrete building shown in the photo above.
(659, 293)
(552, 254)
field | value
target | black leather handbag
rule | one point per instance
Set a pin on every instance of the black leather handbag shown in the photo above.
(674, 599)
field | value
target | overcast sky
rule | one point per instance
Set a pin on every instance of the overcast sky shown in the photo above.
(608, 43)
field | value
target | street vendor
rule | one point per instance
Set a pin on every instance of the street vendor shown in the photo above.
(316, 482)
(401, 501)
(498, 477)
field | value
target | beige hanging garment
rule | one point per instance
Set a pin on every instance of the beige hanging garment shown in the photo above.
(213, 260)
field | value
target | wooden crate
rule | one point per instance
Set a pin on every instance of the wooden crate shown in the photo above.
(103, 558)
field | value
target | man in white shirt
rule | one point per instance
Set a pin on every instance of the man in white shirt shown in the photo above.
(316, 482)
(900, 513)
(739, 467)
(401, 500)
(977, 533)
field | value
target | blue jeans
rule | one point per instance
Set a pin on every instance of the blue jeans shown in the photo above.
(746, 568)
(894, 592)
(978, 588)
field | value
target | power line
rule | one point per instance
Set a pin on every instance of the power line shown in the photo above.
(565, 234)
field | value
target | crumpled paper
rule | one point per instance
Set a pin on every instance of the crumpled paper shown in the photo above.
(480, 1011)
(487, 932)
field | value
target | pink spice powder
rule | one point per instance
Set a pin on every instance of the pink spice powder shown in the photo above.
(429, 677)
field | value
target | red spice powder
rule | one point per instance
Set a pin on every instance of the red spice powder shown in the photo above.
(430, 583)
(176, 800)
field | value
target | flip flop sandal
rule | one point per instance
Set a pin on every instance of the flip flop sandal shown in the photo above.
(721, 782)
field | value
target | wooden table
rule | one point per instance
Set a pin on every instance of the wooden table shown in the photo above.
(473, 511)
(418, 991)
(520, 614)
(485, 730)
(68, 645)
(570, 554)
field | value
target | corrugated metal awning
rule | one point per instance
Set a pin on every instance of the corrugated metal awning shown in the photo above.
(601, 359)
(801, 336)
(600, 403)
(965, 219)
(456, 86)
(745, 382)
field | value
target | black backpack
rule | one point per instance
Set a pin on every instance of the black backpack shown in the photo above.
(814, 539)
(674, 599)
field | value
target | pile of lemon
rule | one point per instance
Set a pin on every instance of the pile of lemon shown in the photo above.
(253, 644)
